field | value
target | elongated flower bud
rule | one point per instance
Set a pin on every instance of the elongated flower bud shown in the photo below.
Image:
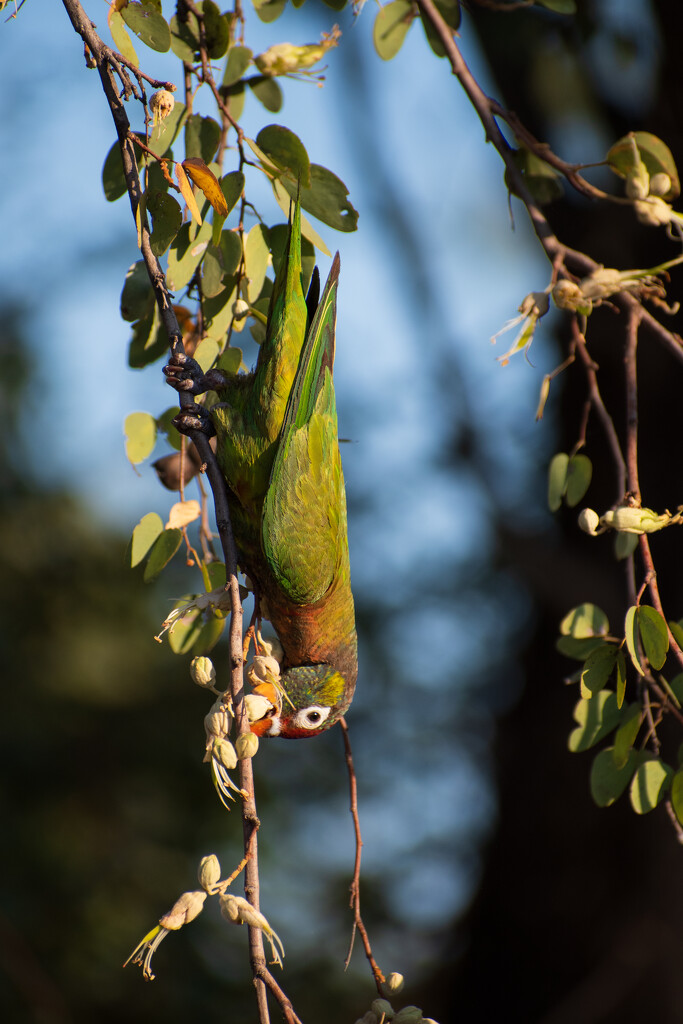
(185, 909)
(209, 871)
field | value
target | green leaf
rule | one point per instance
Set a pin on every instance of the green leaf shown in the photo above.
(621, 677)
(149, 340)
(206, 353)
(557, 480)
(239, 59)
(286, 151)
(599, 667)
(654, 635)
(122, 41)
(148, 25)
(584, 621)
(607, 780)
(326, 199)
(218, 310)
(579, 473)
(232, 186)
(624, 544)
(144, 535)
(163, 550)
(113, 179)
(185, 255)
(231, 251)
(185, 38)
(391, 27)
(649, 785)
(654, 153)
(269, 10)
(230, 360)
(677, 795)
(141, 434)
(631, 634)
(542, 180)
(596, 718)
(213, 574)
(216, 30)
(625, 735)
(450, 11)
(559, 6)
(192, 633)
(202, 136)
(577, 649)
(163, 135)
(267, 92)
(677, 630)
(137, 297)
(212, 272)
(256, 259)
(167, 427)
(167, 218)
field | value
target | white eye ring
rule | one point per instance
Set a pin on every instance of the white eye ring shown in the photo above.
(311, 717)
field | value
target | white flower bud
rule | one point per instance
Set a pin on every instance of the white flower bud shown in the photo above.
(246, 745)
(262, 669)
(568, 295)
(660, 184)
(209, 871)
(393, 983)
(638, 184)
(653, 211)
(219, 719)
(202, 671)
(240, 309)
(635, 520)
(589, 520)
(224, 753)
(257, 706)
(185, 909)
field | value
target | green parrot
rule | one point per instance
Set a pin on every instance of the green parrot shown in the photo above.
(278, 449)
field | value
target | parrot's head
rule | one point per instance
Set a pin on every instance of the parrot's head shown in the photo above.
(307, 700)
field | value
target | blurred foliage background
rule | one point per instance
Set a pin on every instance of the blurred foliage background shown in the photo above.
(490, 880)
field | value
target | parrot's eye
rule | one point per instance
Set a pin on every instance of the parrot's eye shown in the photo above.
(311, 718)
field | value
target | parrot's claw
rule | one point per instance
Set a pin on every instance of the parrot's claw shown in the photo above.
(185, 374)
(196, 418)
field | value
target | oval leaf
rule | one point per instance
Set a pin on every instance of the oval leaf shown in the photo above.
(141, 433)
(391, 27)
(579, 473)
(586, 620)
(631, 634)
(144, 535)
(596, 718)
(654, 635)
(557, 480)
(232, 186)
(239, 59)
(206, 180)
(137, 297)
(167, 218)
(654, 153)
(625, 735)
(163, 550)
(267, 91)
(607, 781)
(256, 260)
(598, 667)
(326, 199)
(649, 785)
(183, 513)
(286, 151)
(677, 794)
(146, 21)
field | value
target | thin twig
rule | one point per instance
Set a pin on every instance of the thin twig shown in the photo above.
(354, 901)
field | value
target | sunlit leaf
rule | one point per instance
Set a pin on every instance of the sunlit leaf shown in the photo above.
(232, 186)
(144, 535)
(216, 30)
(256, 259)
(654, 153)
(137, 297)
(596, 718)
(586, 620)
(621, 677)
(654, 635)
(557, 480)
(579, 473)
(286, 151)
(218, 310)
(206, 353)
(231, 249)
(187, 193)
(183, 513)
(122, 41)
(625, 736)
(149, 340)
(599, 667)
(391, 27)
(148, 24)
(212, 272)
(239, 59)
(631, 633)
(649, 785)
(609, 780)
(230, 360)
(167, 218)
(185, 37)
(141, 433)
(269, 10)
(163, 550)
(185, 254)
(167, 427)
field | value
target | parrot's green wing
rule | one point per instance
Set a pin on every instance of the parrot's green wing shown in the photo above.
(303, 527)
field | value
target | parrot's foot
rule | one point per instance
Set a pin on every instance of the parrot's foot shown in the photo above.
(185, 374)
(196, 418)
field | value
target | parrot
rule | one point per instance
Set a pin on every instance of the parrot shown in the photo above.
(278, 449)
